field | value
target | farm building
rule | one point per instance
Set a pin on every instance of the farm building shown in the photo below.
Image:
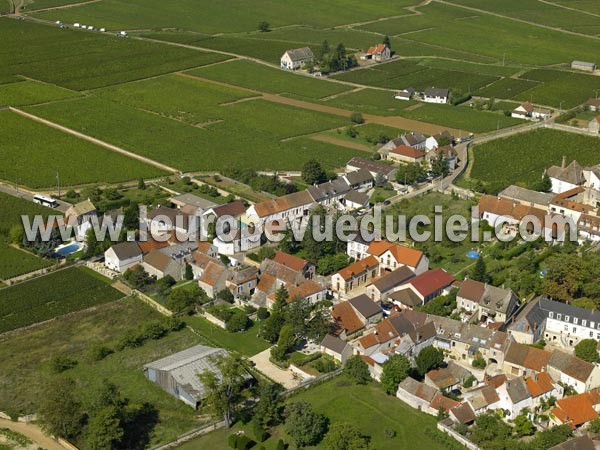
(594, 125)
(406, 154)
(593, 104)
(436, 95)
(379, 52)
(585, 66)
(522, 111)
(374, 167)
(122, 256)
(297, 58)
(178, 374)
(405, 94)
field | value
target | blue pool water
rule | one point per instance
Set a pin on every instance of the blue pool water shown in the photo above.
(473, 254)
(68, 249)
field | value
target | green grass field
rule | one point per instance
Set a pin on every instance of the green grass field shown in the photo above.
(12, 208)
(14, 262)
(570, 89)
(460, 117)
(366, 407)
(370, 101)
(256, 76)
(253, 134)
(82, 60)
(34, 5)
(209, 17)
(51, 296)
(5, 6)
(26, 357)
(33, 153)
(527, 167)
(31, 92)
(506, 88)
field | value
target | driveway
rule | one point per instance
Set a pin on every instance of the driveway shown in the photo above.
(33, 432)
(283, 377)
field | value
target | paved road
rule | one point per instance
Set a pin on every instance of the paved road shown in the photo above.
(27, 194)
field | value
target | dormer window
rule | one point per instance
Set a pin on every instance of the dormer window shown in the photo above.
(559, 316)
(566, 318)
(551, 315)
(575, 320)
(584, 323)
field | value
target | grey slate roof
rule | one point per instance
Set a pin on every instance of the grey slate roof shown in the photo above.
(393, 279)
(360, 198)
(517, 390)
(300, 54)
(523, 195)
(577, 443)
(185, 366)
(571, 365)
(334, 343)
(329, 189)
(364, 305)
(436, 92)
(412, 139)
(360, 176)
(126, 250)
(194, 200)
(573, 173)
(371, 166)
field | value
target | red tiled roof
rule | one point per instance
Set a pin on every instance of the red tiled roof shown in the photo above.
(358, 267)
(265, 283)
(346, 318)
(409, 152)
(376, 49)
(305, 289)
(432, 281)
(578, 409)
(291, 261)
(539, 384)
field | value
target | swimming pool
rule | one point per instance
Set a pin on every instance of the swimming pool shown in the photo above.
(473, 254)
(66, 250)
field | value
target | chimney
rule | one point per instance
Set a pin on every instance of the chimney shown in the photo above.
(564, 162)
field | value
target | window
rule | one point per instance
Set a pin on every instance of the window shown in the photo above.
(566, 327)
(574, 329)
(575, 320)
(558, 316)
(551, 315)
(591, 334)
(584, 323)
(566, 318)
(591, 324)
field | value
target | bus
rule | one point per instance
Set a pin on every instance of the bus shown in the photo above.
(41, 200)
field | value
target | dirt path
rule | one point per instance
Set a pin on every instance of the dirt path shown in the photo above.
(569, 8)
(341, 142)
(71, 5)
(95, 141)
(33, 432)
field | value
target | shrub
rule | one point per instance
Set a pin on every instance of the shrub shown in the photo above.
(244, 443)
(469, 382)
(280, 445)
(263, 313)
(233, 438)
(325, 365)
(357, 118)
(259, 432)
(98, 352)
(62, 363)
(479, 363)
(237, 322)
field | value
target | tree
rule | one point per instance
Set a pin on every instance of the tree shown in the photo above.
(594, 426)
(428, 359)
(226, 295)
(410, 173)
(439, 166)
(189, 272)
(545, 184)
(357, 370)
(60, 412)
(324, 50)
(343, 436)
(104, 430)
(386, 41)
(267, 411)
(238, 321)
(357, 118)
(313, 173)
(524, 426)
(180, 301)
(137, 277)
(304, 425)
(395, 370)
(141, 184)
(479, 363)
(479, 272)
(586, 349)
(287, 338)
(263, 26)
(222, 394)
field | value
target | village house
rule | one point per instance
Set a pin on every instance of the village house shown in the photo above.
(565, 177)
(357, 246)
(526, 392)
(81, 216)
(380, 288)
(123, 256)
(375, 168)
(523, 111)
(291, 208)
(462, 414)
(405, 94)
(482, 399)
(360, 180)
(354, 200)
(541, 113)
(423, 397)
(368, 311)
(486, 302)
(356, 274)
(414, 140)
(171, 260)
(524, 360)
(558, 323)
(333, 346)
(214, 278)
(297, 58)
(200, 261)
(347, 322)
(528, 197)
(421, 289)
(331, 193)
(406, 154)
(309, 290)
(379, 52)
(449, 154)
(242, 283)
(447, 379)
(393, 256)
(576, 443)
(576, 410)
(191, 204)
(435, 141)
(594, 125)
(593, 104)
(572, 371)
(436, 95)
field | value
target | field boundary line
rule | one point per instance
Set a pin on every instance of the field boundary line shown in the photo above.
(71, 5)
(93, 140)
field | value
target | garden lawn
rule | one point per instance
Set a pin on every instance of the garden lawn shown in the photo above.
(51, 296)
(246, 343)
(81, 60)
(256, 76)
(33, 153)
(26, 359)
(366, 407)
(460, 117)
(31, 92)
(523, 151)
